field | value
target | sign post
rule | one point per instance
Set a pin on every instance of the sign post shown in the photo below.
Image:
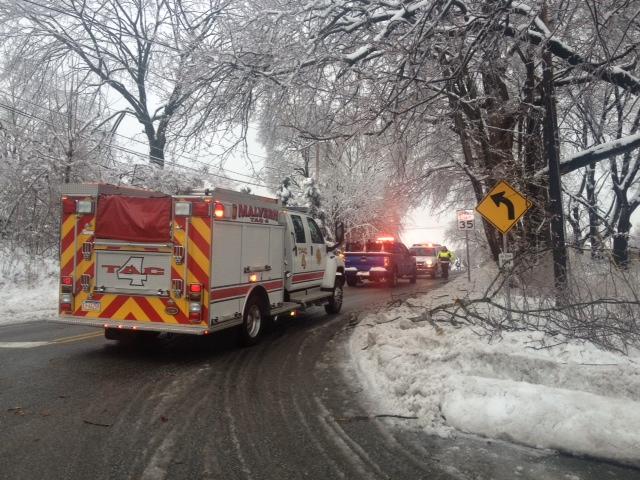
(502, 207)
(466, 222)
(504, 264)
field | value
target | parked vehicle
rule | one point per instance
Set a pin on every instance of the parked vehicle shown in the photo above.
(382, 259)
(135, 260)
(426, 255)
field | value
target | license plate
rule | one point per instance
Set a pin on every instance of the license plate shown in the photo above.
(90, 306)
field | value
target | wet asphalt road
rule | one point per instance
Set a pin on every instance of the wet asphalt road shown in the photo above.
(78, 407)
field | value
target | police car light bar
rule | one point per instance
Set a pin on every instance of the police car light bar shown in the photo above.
(385, 239)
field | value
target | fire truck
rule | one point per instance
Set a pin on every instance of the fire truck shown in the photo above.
(134, 262)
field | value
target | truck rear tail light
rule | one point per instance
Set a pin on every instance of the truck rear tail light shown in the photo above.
(67, 284)
(201, 209)
(182, 209)
(86, 250)
(178, 254)
(84, 281)
(66, 302)
(218, 210)
(386, 261)
(195, 291)
(195, 312)
(177, 285)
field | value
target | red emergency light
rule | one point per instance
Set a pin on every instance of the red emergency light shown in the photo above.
(195, 291)
(218, 210)
(67, 284)
(385, 239)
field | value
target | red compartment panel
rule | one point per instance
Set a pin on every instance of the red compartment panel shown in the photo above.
(134, 219)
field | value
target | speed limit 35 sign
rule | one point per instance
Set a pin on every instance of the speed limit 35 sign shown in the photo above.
(466, 219)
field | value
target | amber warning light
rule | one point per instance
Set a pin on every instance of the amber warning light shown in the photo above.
(218, 210)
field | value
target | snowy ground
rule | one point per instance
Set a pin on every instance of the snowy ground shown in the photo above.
(28, 292)
(572, 397)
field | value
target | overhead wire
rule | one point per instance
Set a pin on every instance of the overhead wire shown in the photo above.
(130, 151)
(134, 140)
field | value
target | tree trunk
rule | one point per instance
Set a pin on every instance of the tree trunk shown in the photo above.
(594, 222)
(156, 152)
(157, 142)
(574, 220)
(490, 232)
(555, 210)
(621, 237)
(536, 235)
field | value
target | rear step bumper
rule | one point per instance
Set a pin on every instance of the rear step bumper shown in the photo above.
(129, 325)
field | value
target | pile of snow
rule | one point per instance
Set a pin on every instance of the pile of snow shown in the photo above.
(28, 288)
(571, 397)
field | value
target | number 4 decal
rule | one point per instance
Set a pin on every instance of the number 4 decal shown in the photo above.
(132, 271)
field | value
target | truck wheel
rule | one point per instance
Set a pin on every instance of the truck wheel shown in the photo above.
(392, 279)
(352, 281)
(335, 302)
(253, 321)
(414, 276)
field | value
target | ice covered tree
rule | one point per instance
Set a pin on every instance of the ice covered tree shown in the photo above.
(171, 64)
(284, 193)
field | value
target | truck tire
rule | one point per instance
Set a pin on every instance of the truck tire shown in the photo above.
(352, 281)
(253, 321)
(414, 276)
(392, 279)
(335, 302)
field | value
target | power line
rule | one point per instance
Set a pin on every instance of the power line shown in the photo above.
(129, 151)
(133, 140)
(150, 72)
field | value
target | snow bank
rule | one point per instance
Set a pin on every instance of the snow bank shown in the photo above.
(571, 397)
(28, 291)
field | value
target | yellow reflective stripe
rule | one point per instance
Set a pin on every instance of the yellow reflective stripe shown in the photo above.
(203, 229)
(158, 306)
(201, 259)
(67, 255)
(67, 226)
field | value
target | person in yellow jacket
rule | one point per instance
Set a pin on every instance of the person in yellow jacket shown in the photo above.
(444, 259)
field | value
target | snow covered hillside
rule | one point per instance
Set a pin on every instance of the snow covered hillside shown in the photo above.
(28, 291)
(570, 397)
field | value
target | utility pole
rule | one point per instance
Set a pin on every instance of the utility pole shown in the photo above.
(550, 133)
(317, 162)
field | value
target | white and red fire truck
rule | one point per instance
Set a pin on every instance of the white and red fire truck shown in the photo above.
(136, 260)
